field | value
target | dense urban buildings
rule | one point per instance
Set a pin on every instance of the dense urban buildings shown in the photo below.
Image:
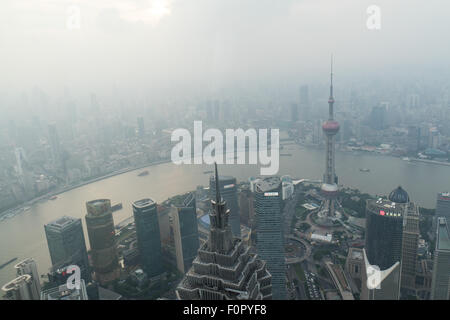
(100, 227)
(66, 244)
(440, 287)
(224, 269)
(228, 190)
(61, 292)
(269, 232)
(148, 236)
(185, 229)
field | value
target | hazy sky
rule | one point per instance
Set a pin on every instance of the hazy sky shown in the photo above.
(212, 43)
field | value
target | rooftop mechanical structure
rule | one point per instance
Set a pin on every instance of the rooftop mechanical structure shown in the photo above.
(329, 188)
(224, 268)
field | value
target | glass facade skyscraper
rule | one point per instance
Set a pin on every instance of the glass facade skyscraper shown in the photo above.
(148, 236)
(440, 285)
(185, 229)
(269, 235)
(66, 244)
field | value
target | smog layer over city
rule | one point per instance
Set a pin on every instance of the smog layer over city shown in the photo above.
(225, 150)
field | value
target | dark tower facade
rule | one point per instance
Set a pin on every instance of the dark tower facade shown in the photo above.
(100, 226)
(148, 236)
(384, 229)
(66, 244)
(224, 268)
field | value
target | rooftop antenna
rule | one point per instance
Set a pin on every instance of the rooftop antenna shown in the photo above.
(331, 76)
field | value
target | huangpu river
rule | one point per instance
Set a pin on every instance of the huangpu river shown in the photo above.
(23, 236)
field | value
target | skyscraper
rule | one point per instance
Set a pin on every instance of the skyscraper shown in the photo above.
(228, 190)
(185, 228)
(20, 288)
(29, 267)
(294, 112)
(388, 287)
(410, 243)
(440, 284)
(148, 236)
(66, 244)
(224, 268)
(329, 187)
(442, 209)
(100, 227)
(269, 236)
(385, 233)
(384, 228)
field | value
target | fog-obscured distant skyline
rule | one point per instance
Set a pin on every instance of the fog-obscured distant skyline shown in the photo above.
(170, 44)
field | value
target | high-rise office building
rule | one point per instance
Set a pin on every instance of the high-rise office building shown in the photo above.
(228, 190)
(66, 244)
(410, 244)
(294, 112)
(29, 267)
(20, 288)
(442, 209)
(61, 292)
(224, 268)
(269, 235)
(381, 285)
(100, 227)
(246, 207)
(384, 228)
(185, 229)
(440, 284)
(148, 236)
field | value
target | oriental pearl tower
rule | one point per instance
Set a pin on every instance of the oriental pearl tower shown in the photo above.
(329, 188)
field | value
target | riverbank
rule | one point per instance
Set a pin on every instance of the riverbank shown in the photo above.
(23, 205)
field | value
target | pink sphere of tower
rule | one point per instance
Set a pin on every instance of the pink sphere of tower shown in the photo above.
(330, 127)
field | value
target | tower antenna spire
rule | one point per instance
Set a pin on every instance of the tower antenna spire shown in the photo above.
(217, 184)
(331, 77)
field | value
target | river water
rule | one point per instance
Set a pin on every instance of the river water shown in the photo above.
(23, 235)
